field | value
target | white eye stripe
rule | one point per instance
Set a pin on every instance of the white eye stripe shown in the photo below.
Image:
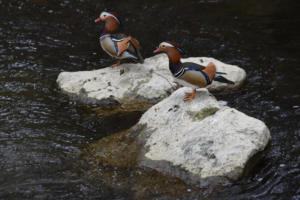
(108, 14)
(166, 44)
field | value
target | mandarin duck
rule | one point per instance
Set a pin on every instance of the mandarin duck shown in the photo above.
(117, 45)
(189, 74)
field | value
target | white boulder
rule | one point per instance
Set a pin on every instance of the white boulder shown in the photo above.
(148, 82)
(200, 139)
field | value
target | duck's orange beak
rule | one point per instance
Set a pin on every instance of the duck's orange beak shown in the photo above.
(157, 50)
(98, 20)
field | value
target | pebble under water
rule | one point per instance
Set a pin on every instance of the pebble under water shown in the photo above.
(43, 133)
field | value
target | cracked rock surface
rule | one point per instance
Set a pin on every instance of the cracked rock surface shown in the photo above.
(148, 82)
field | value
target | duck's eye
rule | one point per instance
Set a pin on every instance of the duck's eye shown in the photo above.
(163, 46)
(104, 15)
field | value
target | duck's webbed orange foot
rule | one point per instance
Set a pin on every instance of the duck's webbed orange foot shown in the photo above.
(123, 45)
(117, 64)
(190, 95)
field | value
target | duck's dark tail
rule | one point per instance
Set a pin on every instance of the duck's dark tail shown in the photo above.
(222, 79)
(137, 48)
(141, 59)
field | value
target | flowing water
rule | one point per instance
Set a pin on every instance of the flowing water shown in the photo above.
(43, 133)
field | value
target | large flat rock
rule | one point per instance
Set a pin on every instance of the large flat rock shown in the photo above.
(200, 139)
(137, 83)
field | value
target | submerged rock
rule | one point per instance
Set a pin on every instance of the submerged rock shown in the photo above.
(131, 84)
(199, 141)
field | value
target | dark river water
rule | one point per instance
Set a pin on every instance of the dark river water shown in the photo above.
(43, 133)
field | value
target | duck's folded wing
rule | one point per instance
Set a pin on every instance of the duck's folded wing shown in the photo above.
(189, 66)
(192, 66)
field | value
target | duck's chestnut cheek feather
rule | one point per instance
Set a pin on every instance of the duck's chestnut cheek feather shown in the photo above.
(157, 50)
(98, 20)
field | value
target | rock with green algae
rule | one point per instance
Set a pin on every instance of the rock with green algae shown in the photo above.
(205, 112)
(199, 141)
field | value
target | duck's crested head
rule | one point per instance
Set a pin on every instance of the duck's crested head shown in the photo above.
(168, 46)
(172, 49)
(105, 15)
(112, 23)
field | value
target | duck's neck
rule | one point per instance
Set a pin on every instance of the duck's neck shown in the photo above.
(105, 32)
(111, 26)
(175, 68)
(175, 64)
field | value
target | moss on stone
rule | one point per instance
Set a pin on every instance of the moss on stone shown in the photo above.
(203, 113)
